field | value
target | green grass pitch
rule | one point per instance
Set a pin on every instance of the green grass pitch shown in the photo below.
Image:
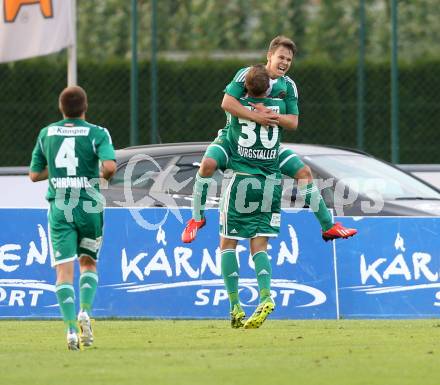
(210, 352)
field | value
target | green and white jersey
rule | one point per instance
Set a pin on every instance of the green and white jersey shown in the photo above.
(71, 149)
(255, 148)
(283, 88)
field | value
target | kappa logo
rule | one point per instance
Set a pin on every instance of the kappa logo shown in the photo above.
(12, 8)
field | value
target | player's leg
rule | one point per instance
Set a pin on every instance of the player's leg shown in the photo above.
(234, 225)
(90, 236)
(291, 165)
(230, 273)
(314, 199)
(66, 300)
(263, 271)
(63, 241)
(88, 283)
(268, 226)
(216, 156)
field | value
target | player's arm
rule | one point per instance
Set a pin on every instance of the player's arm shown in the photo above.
(233, 92)
(106, 154)
(235, 108)
(39, 176)
(108, 169)
(38, 168)
(287, 121)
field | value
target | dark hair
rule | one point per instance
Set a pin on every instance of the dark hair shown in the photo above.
(73, 102)
(282, 41)
(257, 80)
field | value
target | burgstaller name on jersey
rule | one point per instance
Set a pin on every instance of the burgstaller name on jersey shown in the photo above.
(257, 153)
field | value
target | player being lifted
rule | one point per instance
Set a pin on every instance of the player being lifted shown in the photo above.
(279, 59)
(68, 154)
(250, 205)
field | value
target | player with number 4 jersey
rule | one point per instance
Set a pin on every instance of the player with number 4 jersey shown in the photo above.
(71, 149)
(68, 153)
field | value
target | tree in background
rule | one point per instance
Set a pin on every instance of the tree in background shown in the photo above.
(323, 29)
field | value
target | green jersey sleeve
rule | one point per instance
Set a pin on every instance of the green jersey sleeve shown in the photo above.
(291, 97)
(104, 145)
(39, 161)
(236, 87)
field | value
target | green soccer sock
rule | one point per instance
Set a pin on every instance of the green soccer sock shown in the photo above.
(313, 199)
(263, 270)
(200, 193)
(88, 283)
(230, 273)
(66, 299)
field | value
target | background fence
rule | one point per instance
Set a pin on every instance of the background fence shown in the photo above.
(201, 44)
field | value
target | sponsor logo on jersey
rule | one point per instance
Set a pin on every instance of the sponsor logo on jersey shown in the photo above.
(68, 131)
(275, 220)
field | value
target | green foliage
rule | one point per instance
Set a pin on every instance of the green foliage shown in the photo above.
(324, 29)
(190, 95)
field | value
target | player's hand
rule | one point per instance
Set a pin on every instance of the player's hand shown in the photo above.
(266, 118)
(260, 107)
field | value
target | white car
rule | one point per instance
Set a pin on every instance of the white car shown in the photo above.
(352, 183)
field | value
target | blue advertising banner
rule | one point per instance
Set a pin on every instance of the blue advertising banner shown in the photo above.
(390, 269)
(146, 271)
(26, 279)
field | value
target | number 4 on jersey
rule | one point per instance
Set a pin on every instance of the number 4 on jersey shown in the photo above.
(66, 156)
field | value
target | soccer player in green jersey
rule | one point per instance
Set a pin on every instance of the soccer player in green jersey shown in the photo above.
(279, 59)
(251, 204)
(68, 153)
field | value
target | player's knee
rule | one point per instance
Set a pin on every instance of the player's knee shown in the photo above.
(64, 272)
(227, 243)
(207, 167)
(87, 262)
(304, 174)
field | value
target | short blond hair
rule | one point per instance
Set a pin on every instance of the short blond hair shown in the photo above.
(257, 80)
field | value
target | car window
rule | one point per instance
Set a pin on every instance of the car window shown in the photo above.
(368, 176)
(134, 172)
(188, 165)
